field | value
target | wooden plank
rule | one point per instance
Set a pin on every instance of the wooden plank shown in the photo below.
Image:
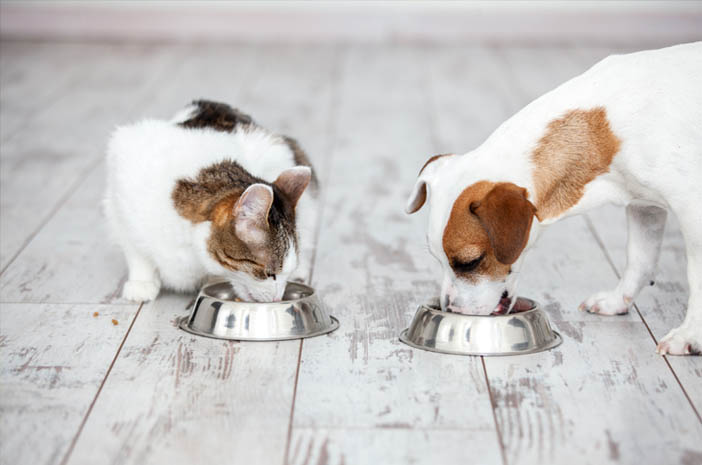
(607, 399)
(663, 305)
(70, 260)
(46, 160)
(602, 396)
(360, 385)
(312, 446)
(176, 398)
(24, 87)
(54, 358)
(196, 394)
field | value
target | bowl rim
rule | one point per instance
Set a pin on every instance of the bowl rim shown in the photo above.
(202, 292)
(433, 308)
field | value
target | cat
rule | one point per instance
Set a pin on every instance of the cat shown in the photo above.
(210, 193)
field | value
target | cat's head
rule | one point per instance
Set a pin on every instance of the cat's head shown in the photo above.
(245, 227)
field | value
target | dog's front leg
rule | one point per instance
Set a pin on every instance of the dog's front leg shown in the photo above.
(646, 224)
(687, 338)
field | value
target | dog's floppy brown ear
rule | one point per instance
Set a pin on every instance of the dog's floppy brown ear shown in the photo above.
(419, 191)
(506, 215)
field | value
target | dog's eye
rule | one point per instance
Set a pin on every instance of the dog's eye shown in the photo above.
(467, 267)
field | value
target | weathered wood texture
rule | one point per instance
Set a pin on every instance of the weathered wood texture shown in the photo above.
(369, 117)
(361, 382)
(47, 156)
(175, 398)
(54, 358)
(663, 305)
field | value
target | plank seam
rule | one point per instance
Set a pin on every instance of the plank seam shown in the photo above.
(97, 394)
(494, 414)
(169, 63)
(599, 241)
(292, 406)
(62, 201)
(687, 396)
(331, 131)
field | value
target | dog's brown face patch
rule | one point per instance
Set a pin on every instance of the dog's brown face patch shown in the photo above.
(487, 229)
(574, 150)
(215, 194)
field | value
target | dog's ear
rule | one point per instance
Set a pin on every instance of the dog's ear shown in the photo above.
(426, 175)
(506, 215)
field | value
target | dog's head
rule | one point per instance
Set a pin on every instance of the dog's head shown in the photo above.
(477, 231)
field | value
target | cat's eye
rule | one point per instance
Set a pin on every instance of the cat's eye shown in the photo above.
(466, 267)
(270, 275)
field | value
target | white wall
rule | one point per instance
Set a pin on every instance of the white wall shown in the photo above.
(590, 21)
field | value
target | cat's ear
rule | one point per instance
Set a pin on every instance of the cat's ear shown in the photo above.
(293, 182)
(251, 214)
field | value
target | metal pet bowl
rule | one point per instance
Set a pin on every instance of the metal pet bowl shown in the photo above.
(217, 313)
(520, 332)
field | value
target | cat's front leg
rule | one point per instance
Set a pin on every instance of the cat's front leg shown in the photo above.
(143, 284)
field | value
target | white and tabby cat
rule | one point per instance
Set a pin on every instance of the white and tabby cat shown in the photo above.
(210, 193)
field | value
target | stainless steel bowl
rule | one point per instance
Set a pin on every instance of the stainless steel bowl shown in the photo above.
(217, 313)
(523, 332)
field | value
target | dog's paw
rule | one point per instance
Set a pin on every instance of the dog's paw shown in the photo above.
(606, 303)
(683, 340)
(140, 291)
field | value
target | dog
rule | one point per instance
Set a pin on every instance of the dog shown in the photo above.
(628, 131)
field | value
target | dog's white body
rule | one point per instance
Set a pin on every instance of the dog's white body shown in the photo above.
(144, 161)
(653, 101)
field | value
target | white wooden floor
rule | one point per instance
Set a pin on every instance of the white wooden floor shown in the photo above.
(78, 389)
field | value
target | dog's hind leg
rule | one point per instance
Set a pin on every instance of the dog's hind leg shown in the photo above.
(646, 224)
(687, 338)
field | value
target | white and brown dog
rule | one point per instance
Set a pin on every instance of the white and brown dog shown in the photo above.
(628, 131)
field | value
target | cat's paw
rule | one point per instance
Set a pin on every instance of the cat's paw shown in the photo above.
(140, 291)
